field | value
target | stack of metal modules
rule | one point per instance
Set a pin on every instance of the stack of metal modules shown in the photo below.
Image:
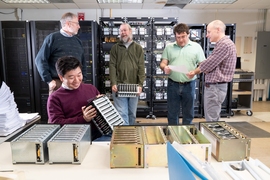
(228, 143)
(192, 140)
(127, 90)
(70, 144)
(107, 116)
(155, 147)
(31, 146)
(145, 146)
(126, 147)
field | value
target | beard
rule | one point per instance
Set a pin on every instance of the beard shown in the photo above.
(126, 38)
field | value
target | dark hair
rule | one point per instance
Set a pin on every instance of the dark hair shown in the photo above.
(67, 63)
(181, 28)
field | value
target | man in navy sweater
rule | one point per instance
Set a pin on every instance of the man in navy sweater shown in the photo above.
(67, 105)
(59, 44)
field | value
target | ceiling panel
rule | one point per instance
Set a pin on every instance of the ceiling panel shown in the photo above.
(195, 6)
(45, 6)
(22, 6)
(110, 6)
(88, 5)
(131, 6)
(153, 6)
(216, 6)
(147, 4)
(66, 5)
(259, 5)
(5, 5)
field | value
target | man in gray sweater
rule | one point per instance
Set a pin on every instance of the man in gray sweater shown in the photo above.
(59, 44)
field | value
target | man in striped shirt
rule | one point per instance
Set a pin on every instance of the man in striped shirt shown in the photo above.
(218, 68)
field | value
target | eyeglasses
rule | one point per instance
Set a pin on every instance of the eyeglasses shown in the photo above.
(77, 23)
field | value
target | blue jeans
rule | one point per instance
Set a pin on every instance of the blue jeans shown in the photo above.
(180, 95)
(127, 108)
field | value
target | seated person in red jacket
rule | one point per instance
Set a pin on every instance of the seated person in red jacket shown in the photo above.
(67, 104)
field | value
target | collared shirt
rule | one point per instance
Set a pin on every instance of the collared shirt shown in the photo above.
(190, 56)
(220, 65)
(64, 33)
(127, 44)
(66, 87)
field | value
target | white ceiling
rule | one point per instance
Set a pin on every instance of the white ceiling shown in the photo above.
(147, 4)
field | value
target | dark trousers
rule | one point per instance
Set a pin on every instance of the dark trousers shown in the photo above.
(180, 94)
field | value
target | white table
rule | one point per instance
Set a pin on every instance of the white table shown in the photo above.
(95, 166)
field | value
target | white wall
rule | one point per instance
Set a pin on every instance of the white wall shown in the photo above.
(248, 22)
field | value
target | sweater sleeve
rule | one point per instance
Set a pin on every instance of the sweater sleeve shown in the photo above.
(112, 65)
(42, 58)
(141, 66)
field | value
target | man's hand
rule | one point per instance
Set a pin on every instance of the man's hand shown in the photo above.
(114, 88)
(167, 70)
(139, 90)
(191, 74)
(52, 85)
(89, 113)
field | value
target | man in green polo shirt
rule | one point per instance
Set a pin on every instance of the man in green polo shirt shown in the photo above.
(181, 89)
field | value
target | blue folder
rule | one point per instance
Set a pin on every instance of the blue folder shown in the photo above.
(179, 168)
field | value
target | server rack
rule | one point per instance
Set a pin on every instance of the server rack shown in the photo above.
(142, 34)
(89, 35)
(39, 31)
(109, 28)
(17, 68)
(162, 35)
(226, 105)
(197, 34)
(152, 34)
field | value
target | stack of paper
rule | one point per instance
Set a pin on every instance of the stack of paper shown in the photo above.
(9, 114)
(28, 117)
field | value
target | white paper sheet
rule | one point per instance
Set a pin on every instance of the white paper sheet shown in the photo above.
(180, 68)
(9, 113)
(28, 117)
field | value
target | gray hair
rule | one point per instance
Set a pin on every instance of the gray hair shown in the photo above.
(67, 17)
(129, 27)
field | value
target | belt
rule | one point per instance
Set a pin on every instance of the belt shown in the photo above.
(208, 84)
(179, 82)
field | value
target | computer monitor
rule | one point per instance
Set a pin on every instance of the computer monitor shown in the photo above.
(238, 63)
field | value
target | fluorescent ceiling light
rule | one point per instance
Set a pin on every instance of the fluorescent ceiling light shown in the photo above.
(36, 1)
(119, 1)
(212, 1)
(26, 1)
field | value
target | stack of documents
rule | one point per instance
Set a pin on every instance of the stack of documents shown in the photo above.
(9, 114)
(28, 117)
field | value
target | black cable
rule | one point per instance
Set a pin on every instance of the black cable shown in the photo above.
(8, 13)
